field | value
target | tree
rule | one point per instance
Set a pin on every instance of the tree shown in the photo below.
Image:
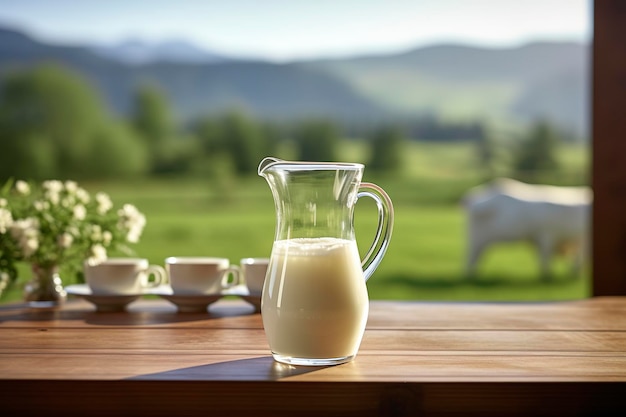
(536, 154)
(48, 116)
(208, 130)
(116, 153)
(487, 154)
(244, 141)
(317, 140)
(237, 137)
(153, 121)
(386, 146)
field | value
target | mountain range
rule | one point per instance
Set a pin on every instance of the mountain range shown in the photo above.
(138, 52)
(548, 80)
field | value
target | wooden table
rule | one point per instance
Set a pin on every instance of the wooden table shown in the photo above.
(417, 358)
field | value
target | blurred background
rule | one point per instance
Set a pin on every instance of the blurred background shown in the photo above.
(172, 105)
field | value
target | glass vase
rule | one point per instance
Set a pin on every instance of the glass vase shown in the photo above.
(45, 289)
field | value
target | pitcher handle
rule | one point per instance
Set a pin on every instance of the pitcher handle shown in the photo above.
(383, 231)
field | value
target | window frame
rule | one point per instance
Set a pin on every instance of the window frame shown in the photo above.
(608, 170)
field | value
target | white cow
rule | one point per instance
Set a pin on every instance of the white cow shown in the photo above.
(552, 218)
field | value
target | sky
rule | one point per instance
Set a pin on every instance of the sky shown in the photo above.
(284, 30)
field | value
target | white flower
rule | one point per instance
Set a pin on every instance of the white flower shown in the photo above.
(104, 203)
(26, 232)
(68, 201)
(82, 195)
(55, 221)
(107, 237)
(134, 234)
(133, 221)
(52, 191)
(29, 246)
(29, 243)
(65, 240)
(80, 212)
(23, 227)
(41, 205)
(22, 187)
(98, 254)
(71, 186)
(53, 198)
(4, 281)
(6, 220)
(53, 186)
(95, 232)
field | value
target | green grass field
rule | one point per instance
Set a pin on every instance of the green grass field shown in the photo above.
(426, 255)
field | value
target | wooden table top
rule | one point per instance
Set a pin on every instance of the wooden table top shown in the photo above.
(426, 358)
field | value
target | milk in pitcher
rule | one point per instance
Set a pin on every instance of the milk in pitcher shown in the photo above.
(315, 299)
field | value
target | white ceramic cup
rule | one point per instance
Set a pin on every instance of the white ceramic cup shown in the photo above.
(122, 276)
(201, 275)
(253, 271)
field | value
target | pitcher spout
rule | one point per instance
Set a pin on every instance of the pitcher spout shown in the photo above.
(267, 163)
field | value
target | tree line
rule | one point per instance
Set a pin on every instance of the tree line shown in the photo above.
(53, 124)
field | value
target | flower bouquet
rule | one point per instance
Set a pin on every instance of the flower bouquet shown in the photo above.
(58, 224)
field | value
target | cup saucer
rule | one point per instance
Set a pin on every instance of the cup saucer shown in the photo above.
(243, 292)
(103, 302)
(186, 303)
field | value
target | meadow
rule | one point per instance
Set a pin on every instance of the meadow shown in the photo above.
(235, 218)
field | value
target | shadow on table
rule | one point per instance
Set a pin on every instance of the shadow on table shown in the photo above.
(254, 369)
(141, 314)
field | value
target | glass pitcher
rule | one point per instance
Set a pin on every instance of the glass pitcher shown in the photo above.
(315, 302)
